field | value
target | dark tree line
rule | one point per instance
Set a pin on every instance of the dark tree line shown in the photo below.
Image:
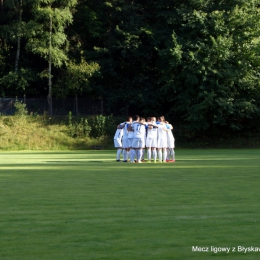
(196, 61)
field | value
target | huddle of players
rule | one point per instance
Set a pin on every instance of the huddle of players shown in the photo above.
(134, 135)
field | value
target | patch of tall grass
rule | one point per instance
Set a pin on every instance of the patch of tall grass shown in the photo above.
(40, 133)
(34, 132)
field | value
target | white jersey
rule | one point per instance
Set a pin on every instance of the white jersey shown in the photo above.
(162, 132)
(131, 132)
(152, 132)
(125, 130)
(170, 136)
(126, 141)
(119, 134)
(139, 130)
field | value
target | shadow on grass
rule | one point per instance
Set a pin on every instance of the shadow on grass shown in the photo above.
(79, 162)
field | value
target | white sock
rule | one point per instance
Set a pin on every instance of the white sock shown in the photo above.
(154, 154)
(124, 155)
(139, 154)
(149, 153)
(160, 154)
(173, 154)
(132, 155)
(168, 154)
(118, 153)
(164, 154)
(136, 154)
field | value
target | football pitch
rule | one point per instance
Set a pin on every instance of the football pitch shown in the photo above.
(85, 205)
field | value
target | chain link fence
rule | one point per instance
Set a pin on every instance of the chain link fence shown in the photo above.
(39, 106)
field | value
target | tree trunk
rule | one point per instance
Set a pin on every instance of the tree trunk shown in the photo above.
(50, 61)
(20, 12)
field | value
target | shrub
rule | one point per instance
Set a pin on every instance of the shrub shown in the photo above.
(101, 126)
(79, 127)
(20, 108)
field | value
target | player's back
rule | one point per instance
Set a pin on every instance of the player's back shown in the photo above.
(125, 130)
(162, 132)
(119, 133)
(169, 135)
(152, 132)
(139, 130)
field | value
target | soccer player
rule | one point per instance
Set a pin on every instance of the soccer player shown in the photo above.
(126, 141)
(162, 139)
(170, 145)
(118, 141)
(139, 138)
(131, 137)
(151, 139)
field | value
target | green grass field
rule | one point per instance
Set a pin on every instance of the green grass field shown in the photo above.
(84, 205)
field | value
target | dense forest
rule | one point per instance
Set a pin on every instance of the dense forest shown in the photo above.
(194, 61)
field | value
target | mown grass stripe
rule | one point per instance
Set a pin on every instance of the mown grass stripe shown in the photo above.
(72, 208)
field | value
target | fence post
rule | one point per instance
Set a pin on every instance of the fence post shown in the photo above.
(49, 99)
(12, 107)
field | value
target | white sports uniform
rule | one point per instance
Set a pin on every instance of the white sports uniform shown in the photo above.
(130, 135)
(118, 138)
(139, 135)
(162, 136)
(170, 140)
(151, 138)
(126, 143)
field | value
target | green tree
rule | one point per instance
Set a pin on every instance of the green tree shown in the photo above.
(12, 31)
(209, 62)
(117, 36)
(75, 78)
(47, 35)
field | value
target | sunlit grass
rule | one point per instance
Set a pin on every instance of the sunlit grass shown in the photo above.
(36, 133)
(85, 205)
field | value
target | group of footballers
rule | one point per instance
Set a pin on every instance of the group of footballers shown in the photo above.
(136, 134)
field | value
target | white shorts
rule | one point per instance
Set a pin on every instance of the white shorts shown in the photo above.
(151, 142)
(130, 142)
(162, 143)
(171, 144)
(138, 143)
(117, 143)
(126, 143)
